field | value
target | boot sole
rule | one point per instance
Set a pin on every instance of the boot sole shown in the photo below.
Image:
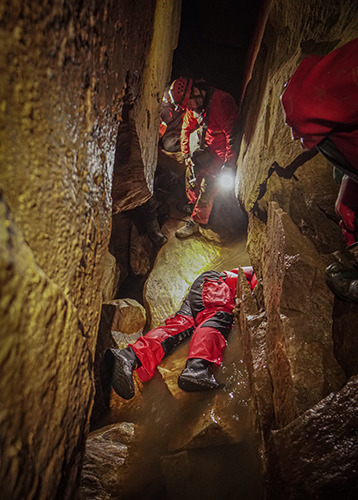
(122, 382)
(192, 385)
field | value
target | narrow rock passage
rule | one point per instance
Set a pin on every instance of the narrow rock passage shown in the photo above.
(165, 443)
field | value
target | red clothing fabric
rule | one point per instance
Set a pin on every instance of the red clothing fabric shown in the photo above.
(223, 114)
(202, 196)
(347, 209)
(205, 316)
(321, 100)
(149, 349)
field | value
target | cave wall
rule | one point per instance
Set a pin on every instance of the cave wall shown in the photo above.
(66, 70)
(294, 336)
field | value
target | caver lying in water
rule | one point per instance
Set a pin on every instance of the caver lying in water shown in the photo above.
(205, 315)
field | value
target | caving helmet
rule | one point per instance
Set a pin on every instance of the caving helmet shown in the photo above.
(179, 92)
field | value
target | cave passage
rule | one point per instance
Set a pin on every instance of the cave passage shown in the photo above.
(213, 44)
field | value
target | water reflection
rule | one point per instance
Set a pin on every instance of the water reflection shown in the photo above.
(195, 445)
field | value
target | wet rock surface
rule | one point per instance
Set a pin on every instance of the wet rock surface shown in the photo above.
(66, 68)
(70, 70)
(111, 278)
(252, 324)
(299, 306)
(34, 376)
(299, 342)
(171, 420)
(317, 453)
(107, 469)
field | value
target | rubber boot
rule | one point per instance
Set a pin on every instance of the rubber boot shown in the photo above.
(197, 376)
(343, 281)
(153, 229)
(155, 235)
(122, 362)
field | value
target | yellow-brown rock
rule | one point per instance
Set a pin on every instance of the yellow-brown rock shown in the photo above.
(65, 69)
(129, 316)
(306, 332)
(317, 452)
(252, 325)
(298, 304)
(107, 468)
(111, 277)
(178, 264)
(46, 387)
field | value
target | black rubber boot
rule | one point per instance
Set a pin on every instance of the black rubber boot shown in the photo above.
(153, 229)
(343, 281)
(155, 235)
(122, 362)
(197, 376)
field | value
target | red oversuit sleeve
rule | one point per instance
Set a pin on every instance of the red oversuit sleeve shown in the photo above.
(190, 123)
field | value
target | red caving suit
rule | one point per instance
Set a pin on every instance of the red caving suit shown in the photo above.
(205, 315)
(223, 115)
(321, 101)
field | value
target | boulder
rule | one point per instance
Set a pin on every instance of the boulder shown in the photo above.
(129, 316)
(252, 324)
(108, 463)
(179, 263)
(299, 320)
(316, 454)
(111, 278)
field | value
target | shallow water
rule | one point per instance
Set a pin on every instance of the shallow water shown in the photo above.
(196, 445)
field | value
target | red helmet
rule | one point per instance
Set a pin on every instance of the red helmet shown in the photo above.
(179, 91)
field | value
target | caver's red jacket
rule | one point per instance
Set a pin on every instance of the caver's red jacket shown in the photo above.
(321, 101)
(205, 315)
(223, 114)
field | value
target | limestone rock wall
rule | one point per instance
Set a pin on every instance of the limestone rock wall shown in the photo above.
(298, 337)
(66, 71)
